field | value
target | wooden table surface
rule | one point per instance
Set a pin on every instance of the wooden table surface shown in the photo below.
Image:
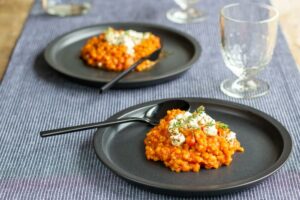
(13, 14)
(290, 23)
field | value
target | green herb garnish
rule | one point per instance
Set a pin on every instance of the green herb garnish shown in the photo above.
(211, 123)
(200, 109)
(178, 124)
(222, 125)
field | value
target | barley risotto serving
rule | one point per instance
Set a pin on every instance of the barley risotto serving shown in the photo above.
(186, 141)
(117, 50)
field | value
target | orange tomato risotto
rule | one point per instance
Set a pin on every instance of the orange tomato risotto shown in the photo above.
(186, 141)
(116, 50)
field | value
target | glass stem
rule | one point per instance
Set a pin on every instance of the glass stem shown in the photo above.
(184, 5)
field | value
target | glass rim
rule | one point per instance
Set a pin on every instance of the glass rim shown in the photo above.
(261, 5)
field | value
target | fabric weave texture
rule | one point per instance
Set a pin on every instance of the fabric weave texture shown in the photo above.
(33, 97)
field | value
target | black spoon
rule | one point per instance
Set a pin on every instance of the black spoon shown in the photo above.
(152, 57)
(152, 117)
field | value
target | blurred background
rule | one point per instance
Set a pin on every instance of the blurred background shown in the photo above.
(13, 14)
(290, 24)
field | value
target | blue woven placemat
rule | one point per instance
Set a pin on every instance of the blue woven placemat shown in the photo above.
(33, 97)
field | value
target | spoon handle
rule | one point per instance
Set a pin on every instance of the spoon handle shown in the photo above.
(121, 75)
(71, 129)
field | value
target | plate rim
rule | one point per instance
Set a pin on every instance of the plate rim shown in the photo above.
(232, 186)
(198, 51)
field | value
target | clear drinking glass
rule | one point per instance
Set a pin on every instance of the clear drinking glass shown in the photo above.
(186, 13)
(66, 7)
(248, 37)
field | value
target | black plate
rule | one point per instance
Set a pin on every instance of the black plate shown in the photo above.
(267, 146)
(63, 55)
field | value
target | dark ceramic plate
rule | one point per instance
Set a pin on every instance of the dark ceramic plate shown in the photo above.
(182, 51)
(267, 146)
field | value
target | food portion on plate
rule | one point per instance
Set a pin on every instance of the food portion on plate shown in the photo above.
(116, 50)
(186, 141)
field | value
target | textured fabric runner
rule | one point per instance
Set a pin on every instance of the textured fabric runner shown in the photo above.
(33, 97)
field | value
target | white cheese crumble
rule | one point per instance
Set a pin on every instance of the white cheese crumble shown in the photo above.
(211, 130)
(129, 38)
(178, 139)
(198, 119)
(231, 136)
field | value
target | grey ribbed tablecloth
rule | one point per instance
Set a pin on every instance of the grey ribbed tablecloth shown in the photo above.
(33, 97)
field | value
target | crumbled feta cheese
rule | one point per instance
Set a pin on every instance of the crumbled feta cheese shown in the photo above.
(172, 123)
(205, 119)
(211, 130)
(129, 43)
(129, 38)
(177, 140)
(196, 120)
(135, 34)
(194, 123)
(179, 117)
(231, 136)
(186, 115)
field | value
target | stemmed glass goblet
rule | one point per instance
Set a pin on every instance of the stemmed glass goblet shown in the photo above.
(186, 13)
(248, 37)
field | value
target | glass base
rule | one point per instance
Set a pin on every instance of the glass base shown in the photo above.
(190, 15)
(248, 88)
(68, 9)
